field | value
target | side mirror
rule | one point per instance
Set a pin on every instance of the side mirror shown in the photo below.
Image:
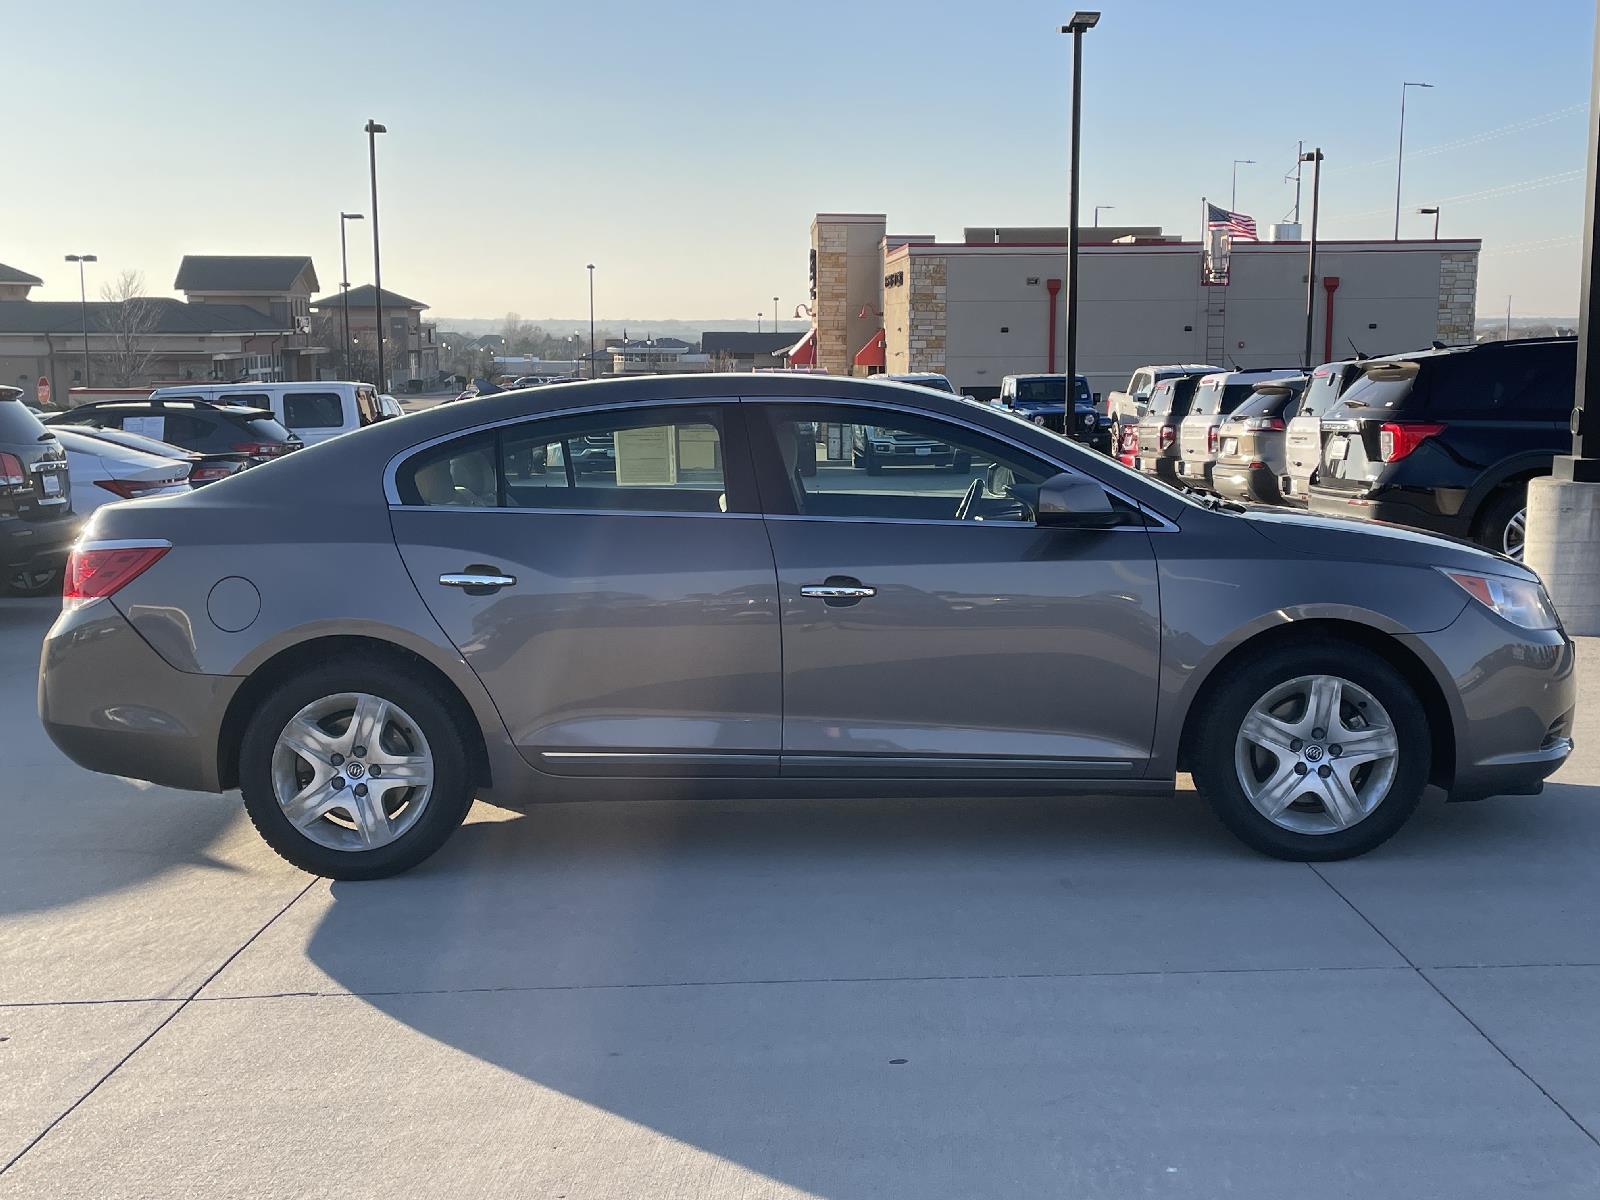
(1072, 501)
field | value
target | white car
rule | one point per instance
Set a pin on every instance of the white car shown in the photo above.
(102, 471)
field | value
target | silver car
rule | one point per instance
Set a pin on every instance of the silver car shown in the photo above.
(1214, 398)
(367, 634)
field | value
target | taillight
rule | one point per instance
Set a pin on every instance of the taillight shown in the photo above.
(129, 488)
(261, 449)
(12, 472)
(1398, 439)
(1211, 439)
(1262, 424)
(99, 569)
(1166, 437)
(211, 472)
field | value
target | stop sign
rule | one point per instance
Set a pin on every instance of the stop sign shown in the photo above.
(44, 391)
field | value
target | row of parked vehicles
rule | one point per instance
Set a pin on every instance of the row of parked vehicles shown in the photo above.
(1444, 439)
(57, 467)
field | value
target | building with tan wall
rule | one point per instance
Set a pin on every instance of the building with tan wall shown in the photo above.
(992, 305)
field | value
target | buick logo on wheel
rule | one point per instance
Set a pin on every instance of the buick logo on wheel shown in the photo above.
(356, 770)
(1313, 753)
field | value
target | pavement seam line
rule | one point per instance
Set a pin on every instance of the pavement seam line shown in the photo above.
(1460, 1012)
(160, 1025)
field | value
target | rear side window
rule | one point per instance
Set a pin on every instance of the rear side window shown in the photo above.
(1530, 384)
(313, 410)
(367, 407)
(249, 399)
(652, 460)
(17, 424)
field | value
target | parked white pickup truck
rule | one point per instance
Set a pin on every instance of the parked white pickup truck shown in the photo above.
(1128, 406)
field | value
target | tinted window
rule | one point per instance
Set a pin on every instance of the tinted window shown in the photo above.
(1322, 391)
(899, 466)
(1207, 398)
(1264, 404)
(248, 399)
(17, 424)
(1041, 391)
(1529, 383)
(181, 429)
(658, 460)
(1373, 391)
(266, 429)
(1161, 399)
(313, 410)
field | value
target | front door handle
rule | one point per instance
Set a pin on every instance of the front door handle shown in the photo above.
(838, 591)
(478, 581)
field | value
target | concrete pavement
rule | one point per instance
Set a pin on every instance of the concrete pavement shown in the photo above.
(1096, 998)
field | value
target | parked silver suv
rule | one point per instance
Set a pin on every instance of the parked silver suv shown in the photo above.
(365, 635)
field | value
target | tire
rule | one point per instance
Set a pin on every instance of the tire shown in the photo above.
(1310, 829)
(424, 730)
(1500, 526)
(18, 582)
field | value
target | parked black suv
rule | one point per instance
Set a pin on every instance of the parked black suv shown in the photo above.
(1446, 440)
(193, 424)
(37, 525)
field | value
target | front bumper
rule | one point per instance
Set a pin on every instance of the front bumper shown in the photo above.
(1513, 694)
(112, 704)
(31, 544)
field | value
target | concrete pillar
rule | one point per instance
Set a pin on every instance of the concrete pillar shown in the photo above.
(1563, 546)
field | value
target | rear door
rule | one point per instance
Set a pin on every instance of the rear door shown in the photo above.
(930, 628)
(622, 612)
(1302, 439)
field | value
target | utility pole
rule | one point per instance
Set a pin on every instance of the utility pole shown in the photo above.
(1314, 157)
(373, 129)
(1077, 25)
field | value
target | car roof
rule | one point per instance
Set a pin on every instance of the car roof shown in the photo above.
(1251, 375)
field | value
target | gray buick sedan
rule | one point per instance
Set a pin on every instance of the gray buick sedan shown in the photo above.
(364, 636)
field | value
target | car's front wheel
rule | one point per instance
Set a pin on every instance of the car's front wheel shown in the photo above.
(1503, 527)
(354, 770)
(1313, 752)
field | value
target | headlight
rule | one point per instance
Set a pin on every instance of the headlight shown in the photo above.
(1519, 601)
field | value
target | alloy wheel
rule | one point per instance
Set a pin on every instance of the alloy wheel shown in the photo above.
(1515, 534)
(352, 771)
(1316, 754)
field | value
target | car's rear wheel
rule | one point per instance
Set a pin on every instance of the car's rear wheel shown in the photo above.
(1313, 752)
(354, 771)
(1503, 527)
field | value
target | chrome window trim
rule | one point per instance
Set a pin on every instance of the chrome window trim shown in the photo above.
(575, 512)
(1164, 526)
(958, 524)
(392, 493)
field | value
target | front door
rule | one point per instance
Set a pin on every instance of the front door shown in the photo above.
(608, 577)
(930, 628)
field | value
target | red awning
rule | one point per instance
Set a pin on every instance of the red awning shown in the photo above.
(804, 352)
(871, 355)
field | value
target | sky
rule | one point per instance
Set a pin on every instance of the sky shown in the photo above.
(683, 149)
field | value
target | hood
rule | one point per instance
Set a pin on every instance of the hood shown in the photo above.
(1356, 540)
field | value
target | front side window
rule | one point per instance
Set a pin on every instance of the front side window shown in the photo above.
(313, 410)
(641, 460)
(1140, 384)
(864, 463)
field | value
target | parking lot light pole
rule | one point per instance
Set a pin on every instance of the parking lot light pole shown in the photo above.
(591, 320)
(373, 130)
(1563, 516)
(774, 314)
(83, 301)
(1077, 25)
(1400, 160)
(1233, 196)
(1432, 211)
(1097, 210)
(1314, 157)
(344, 288)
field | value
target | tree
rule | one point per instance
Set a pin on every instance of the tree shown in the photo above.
(130, 317)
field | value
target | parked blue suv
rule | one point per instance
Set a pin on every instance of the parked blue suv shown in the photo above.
(1042, 400)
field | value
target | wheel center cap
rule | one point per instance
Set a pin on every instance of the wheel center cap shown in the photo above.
(1314, 753)
(355, 770)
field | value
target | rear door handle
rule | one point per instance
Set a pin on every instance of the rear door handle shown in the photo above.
(838, 591)
(477, 582)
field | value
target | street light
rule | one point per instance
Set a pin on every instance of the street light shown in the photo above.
(1233, 197)
(1314, 157)
(1435, 213)
(758, 321)
(1077, 25)
(591, 320)
(1097, 209)
(1400, 160)
(344, 287)
(373, 129)
(83, 301)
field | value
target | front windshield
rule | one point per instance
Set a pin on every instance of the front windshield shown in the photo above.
(1041, 391)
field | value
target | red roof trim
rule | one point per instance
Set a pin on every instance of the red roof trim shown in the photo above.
(873, 352)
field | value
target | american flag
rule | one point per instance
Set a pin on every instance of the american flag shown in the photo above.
(1240, 227)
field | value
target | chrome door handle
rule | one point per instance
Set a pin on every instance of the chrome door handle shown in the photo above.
(829, 591)
(467, 579)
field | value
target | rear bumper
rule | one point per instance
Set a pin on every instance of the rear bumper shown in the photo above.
(1385, 505)
(1242, 481)
(1160, 466)
(112, 704)
(1513, 693)
(37, 543)
(1194, 473)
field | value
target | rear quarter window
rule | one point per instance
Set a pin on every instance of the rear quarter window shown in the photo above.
(313, 410)
(266, 429)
